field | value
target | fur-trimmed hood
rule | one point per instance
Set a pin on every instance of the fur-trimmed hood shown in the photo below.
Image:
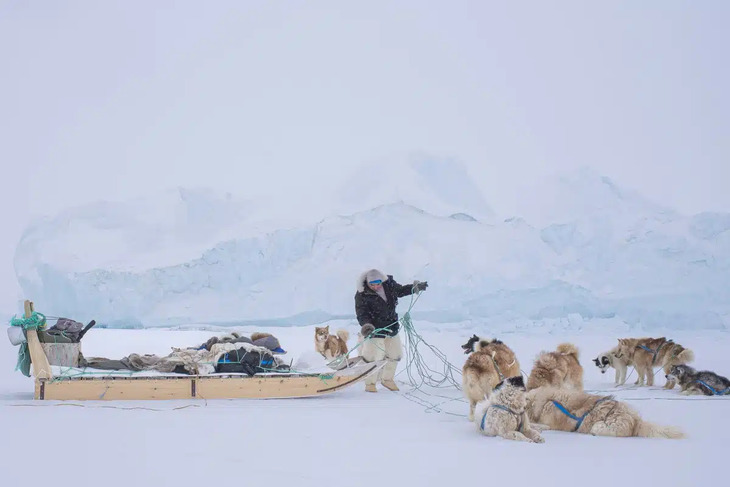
(369, 275)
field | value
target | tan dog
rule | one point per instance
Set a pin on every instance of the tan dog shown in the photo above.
(576, 411)
(330, 346)
(503, 414)
(647, 353)
(558, 369)
(489, 363)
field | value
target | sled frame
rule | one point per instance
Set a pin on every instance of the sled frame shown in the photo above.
(217, 386)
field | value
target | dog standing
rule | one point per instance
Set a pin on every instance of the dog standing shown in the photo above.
(614, 358)
(330, 346)
(577, 411)
(647, 353)
(489, 362)
(557, 369)
(703, 382)
(503, 414)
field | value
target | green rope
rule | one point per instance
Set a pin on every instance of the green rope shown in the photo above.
(34, 322)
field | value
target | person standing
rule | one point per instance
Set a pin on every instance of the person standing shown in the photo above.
(375, 302)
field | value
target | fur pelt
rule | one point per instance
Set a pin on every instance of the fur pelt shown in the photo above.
(560, 368)
(604, 416)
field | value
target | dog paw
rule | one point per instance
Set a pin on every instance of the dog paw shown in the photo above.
(539, 439)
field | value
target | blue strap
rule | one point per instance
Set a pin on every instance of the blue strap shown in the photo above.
(654, 352)
(504, 408)
(714, 391)
(579, 420)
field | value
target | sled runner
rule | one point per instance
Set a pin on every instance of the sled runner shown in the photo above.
(214, 386)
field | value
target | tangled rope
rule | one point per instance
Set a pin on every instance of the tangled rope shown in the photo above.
(34, 322)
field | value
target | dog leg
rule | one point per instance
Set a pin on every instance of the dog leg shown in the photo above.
(602, 429)
(539, 427)
(650, 376)
(534, 435)
(472, 405)
(516, 436)
(622, 370)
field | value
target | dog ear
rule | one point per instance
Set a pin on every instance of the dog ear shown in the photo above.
(596, 361)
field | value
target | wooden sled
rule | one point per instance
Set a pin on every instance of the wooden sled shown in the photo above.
(223, 386)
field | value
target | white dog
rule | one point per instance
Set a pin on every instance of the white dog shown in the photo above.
(614, 358)
(503, 414)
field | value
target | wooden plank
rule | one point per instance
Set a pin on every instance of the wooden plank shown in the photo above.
(118, 389)
(203, 387)
(38, 359)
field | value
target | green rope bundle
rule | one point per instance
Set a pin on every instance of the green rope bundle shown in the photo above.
(35, 321)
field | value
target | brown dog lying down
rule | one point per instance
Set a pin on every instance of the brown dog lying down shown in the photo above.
(577, 411)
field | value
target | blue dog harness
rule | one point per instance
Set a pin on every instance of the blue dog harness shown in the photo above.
(579, 420)
(714, 391)
(654, 352)
(520, 422)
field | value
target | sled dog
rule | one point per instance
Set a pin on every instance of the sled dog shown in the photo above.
(489, 362)
(614, 358)
(577, 411)
(330, 346)
(560, 368)
(503, 414)
(704, 382)
(647, 353)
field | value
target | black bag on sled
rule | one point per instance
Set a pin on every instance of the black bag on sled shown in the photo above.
(251, 363)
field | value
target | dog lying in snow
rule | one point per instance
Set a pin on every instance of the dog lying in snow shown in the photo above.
(704, 382)
(503, 414)
(577, 411)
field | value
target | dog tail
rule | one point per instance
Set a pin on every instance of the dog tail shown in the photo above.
(646, 429)
(568, 349)
(684, 357)
(343, 334)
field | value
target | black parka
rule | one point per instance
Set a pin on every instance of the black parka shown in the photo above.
(371, 308)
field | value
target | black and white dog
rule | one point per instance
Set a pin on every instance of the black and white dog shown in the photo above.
(704, 382)
(614, 359)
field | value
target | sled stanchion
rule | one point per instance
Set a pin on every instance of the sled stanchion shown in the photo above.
(38, 358)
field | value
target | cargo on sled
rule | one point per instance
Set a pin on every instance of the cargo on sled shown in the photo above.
(229, 378)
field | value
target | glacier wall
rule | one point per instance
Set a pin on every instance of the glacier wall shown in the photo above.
(198, 257)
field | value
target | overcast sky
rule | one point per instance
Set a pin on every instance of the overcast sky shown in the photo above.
(117, 99)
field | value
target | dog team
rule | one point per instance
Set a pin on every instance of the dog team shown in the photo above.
(500, 403)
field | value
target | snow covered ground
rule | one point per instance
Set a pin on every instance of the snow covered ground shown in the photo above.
(350, 437)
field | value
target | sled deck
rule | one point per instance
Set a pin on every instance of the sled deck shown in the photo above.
(159, 387)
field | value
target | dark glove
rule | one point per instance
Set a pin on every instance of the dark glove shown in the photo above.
(420, 286)
(367, 329)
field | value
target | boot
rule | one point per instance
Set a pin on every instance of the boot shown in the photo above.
(370, 388)
(389, 384)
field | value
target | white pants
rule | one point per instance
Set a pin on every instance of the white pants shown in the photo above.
(376, 349)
